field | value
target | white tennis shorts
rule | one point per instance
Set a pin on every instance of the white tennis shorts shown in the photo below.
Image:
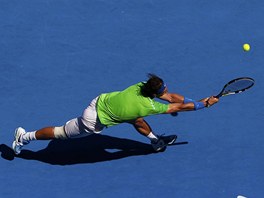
(87, 124)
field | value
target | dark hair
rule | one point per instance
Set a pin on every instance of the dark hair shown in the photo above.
(152, 86)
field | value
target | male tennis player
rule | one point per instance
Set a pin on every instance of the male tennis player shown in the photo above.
(128, 106)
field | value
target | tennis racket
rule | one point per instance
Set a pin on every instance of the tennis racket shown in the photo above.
(235, 86)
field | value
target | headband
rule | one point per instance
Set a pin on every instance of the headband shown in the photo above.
(161, 89)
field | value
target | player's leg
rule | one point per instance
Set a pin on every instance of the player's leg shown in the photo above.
(72, 129)
(46, 133)
(75, 128)
(158, 142)
(144, 129)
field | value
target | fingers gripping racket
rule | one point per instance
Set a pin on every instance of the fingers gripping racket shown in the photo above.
(235, 86)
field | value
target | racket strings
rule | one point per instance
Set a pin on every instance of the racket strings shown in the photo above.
(238, 85)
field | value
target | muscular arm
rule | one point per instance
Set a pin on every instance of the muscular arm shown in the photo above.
(172, 97)
(177, 107)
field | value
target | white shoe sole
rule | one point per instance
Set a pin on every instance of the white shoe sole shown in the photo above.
(16, 145)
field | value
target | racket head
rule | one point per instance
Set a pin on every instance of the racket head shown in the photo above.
(237, 85)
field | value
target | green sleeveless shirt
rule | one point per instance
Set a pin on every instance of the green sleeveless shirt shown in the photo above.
(117, 107)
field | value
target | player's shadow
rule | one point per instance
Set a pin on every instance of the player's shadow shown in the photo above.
(91, 149)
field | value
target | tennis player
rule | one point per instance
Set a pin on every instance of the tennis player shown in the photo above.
(128, 106)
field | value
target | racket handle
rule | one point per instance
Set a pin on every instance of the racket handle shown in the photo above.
(218, 96)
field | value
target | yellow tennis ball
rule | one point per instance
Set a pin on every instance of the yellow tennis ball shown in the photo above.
(246, 47)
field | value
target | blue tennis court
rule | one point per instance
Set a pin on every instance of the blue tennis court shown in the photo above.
(57, 55)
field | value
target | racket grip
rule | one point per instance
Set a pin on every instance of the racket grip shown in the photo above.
(217, 96)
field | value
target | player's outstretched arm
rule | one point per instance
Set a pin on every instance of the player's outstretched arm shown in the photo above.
(191, 106)
(172, 97)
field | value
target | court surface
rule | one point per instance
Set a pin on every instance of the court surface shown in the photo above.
(57, 55)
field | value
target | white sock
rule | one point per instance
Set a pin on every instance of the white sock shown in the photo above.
(29, 136)
(152, 137)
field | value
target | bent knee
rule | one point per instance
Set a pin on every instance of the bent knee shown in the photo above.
(59, 133)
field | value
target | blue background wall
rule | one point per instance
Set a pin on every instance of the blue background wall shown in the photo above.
(56, 56)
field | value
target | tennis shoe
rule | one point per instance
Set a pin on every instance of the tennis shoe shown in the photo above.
(162, 142)
(18, 142)
(168, 140)
(158, 145)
